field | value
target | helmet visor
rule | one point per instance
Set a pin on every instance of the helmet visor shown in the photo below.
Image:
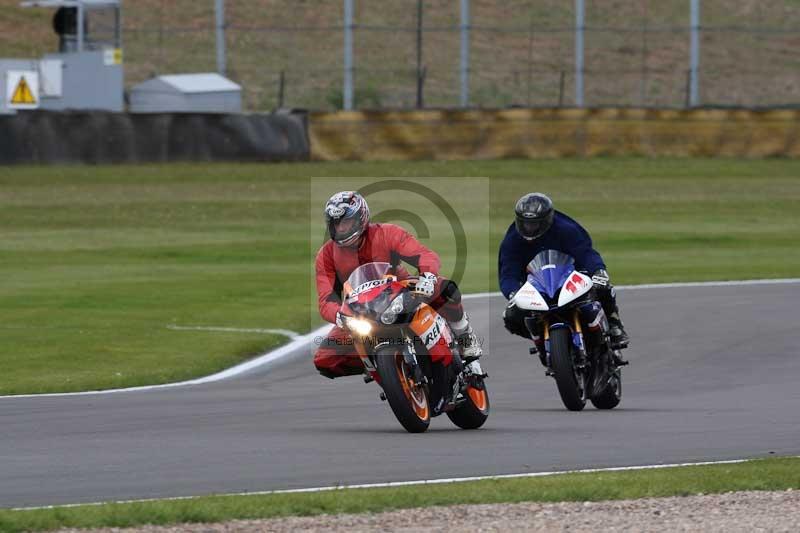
(344, 228)
(345, 231)
(532, 228)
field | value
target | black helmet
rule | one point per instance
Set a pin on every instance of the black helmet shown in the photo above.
(534, 215)
(349, 207)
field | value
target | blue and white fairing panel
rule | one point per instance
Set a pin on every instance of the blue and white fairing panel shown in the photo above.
(551, 273)
(574, 287)
(529, 299)
(548, 271)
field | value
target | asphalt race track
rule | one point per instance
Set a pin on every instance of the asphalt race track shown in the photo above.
(714, 375)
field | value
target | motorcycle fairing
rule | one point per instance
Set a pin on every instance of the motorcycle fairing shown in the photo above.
(551, 273)
(549, 270)
(367, 286)
(434, 333)
(367, 282)
(528, 298)
(365, 273)
(594, 317)
(575, 286)
(370, 290)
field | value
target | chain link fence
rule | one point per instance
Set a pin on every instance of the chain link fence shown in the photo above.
(521, 52)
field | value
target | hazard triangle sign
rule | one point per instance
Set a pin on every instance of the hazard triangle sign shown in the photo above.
(22, 94)
(22, 89)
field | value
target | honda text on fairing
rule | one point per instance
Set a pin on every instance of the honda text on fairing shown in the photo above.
(561, 306)
(396, 334)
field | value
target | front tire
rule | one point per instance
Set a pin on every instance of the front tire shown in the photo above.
(473, 413)
(569, 383)
(408, 401)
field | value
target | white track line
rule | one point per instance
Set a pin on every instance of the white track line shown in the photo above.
(401, 483)
(780, 281)
(298, 342)
(284, 332)
(301, 341)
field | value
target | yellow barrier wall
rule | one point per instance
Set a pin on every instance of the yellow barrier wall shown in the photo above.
(531, 133)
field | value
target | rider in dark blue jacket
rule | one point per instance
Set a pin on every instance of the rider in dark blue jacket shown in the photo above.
(537, 226)
(565, 235)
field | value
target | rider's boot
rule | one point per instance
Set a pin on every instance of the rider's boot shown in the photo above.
(608, 299)
(619, 338)
(467, 340)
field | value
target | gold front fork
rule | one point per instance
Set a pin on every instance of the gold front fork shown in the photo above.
(577, 322)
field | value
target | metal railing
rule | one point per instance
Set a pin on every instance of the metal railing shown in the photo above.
(324, 54)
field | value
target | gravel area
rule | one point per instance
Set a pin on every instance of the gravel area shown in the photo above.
(731, 512)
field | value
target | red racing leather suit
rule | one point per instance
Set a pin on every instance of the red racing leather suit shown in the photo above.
(387, 243)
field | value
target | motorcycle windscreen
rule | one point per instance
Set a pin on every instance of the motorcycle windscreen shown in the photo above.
(548, 271)
(363, 277)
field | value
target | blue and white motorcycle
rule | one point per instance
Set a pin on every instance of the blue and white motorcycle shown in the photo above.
(564, 310)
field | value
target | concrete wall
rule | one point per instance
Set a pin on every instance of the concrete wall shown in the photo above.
(42, 137)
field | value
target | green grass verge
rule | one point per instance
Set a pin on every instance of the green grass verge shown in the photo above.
(764, 474)
(98, 261)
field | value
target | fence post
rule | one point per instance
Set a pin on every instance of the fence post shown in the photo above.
(281, 88)
(348, 55)
(688, 99)
(694, 54)
(423, 72)
(579, 24)
(81, 29)
(419, 54)
(464, 67)
(643, 80)
(220, 27)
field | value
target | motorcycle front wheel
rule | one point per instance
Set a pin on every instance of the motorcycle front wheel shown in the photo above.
(408, 401)
(570, 384)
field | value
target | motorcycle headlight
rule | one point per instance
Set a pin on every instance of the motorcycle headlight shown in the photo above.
(394, 309)
(361, 327)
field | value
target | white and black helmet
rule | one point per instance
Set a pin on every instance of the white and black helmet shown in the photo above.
(346, 206)
(534, 215)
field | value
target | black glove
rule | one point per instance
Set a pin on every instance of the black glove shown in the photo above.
(600, 278)
(511, 307)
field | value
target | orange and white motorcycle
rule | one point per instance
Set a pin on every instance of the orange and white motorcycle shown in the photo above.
(409, 350)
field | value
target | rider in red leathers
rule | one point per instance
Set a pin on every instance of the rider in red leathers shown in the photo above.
(354, 242)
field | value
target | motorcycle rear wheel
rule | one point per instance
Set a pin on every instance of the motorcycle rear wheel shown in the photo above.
(473, 413)
(572, 394)
(408, 401)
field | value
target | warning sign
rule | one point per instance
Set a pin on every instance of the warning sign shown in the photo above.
(22, 94)
(22, 89)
